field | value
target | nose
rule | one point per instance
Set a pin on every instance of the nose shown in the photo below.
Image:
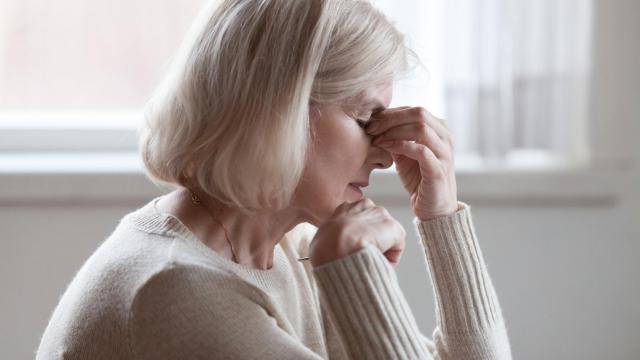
(380, 157)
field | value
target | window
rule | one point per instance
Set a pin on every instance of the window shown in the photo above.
(510, 77)
(75, 74)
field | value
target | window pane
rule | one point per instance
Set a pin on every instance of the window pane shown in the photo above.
(87, 54)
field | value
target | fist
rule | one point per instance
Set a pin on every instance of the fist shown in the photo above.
(354, 225)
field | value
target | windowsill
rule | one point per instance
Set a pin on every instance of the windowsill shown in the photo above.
(116, 178)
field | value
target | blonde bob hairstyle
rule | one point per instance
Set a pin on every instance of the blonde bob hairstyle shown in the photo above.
(231, 118)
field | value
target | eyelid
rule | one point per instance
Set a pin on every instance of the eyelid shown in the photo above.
(362, 123)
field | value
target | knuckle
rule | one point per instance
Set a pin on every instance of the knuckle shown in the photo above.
(452, 143)
(421, 111)
(383, 211)
(424, 152)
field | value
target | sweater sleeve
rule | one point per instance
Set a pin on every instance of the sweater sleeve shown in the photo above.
(190, 313)
(373, 317)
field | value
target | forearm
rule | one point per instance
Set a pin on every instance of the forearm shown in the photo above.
(364, 298)
(470, 323)
(365, 301)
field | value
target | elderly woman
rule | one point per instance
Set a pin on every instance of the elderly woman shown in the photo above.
(267, 129)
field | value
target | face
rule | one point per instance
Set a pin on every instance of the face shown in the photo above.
(341, 154)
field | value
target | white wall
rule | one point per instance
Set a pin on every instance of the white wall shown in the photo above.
(561, 247)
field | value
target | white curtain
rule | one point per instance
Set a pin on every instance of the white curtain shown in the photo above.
(510, 76)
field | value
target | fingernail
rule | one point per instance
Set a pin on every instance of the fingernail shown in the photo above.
(373, 126)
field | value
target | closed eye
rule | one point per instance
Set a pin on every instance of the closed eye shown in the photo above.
(361, 123)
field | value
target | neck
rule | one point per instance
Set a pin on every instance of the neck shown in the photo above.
(253, 237)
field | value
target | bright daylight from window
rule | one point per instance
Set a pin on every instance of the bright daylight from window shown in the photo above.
(511, 81)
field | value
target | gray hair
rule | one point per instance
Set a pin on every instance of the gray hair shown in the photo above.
(231, 118)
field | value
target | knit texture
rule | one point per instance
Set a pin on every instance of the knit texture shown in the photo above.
(152, 290)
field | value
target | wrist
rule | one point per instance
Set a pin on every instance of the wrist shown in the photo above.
(459, 206)
(332, 242)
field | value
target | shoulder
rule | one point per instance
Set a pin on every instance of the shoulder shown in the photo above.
(185, 295)
(186, 307)
(187, 311)
(195, 283)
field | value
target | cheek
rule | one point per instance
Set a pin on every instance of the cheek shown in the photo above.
(340, 161)
(325, 184)
(345, 147)
(338, 154)
(315, 197)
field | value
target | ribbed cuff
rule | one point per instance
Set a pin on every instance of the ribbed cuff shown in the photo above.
(465, 298)
(370, 311)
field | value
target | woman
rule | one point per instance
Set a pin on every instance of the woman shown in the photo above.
(267, 128)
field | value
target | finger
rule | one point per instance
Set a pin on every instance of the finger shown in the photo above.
(357, 206)
(394, 248)
(364, 203)
(430, 166)
(384, 226)
(386, 121)
(440, 126)
(418, 132)
(345, 207)
(388, 110)
(394, 253)
(393, 257)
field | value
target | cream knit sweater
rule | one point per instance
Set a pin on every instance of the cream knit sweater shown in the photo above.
(152, 290)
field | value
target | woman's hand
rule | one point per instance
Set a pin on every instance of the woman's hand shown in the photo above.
(426, 167)
(351, 227)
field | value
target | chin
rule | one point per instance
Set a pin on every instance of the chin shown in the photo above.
(321, 211)
(325, 211)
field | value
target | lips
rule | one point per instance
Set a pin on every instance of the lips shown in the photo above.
(356, 189)
(361, 184)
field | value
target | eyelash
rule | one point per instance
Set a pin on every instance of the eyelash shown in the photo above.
(361, 123)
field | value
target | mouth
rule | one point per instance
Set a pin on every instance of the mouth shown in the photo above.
(361, 184)
(356, 187)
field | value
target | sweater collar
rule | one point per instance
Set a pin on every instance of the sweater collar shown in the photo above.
(150, 220)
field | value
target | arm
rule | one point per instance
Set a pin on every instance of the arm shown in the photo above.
(470, 324)
(373, 317)
(192, 313)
